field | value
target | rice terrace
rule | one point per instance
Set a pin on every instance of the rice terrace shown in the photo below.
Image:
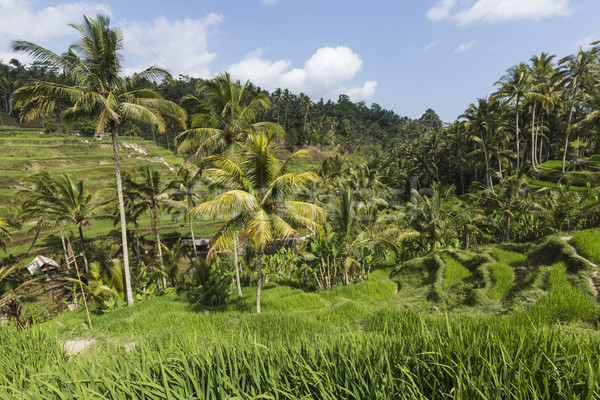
(300, 200)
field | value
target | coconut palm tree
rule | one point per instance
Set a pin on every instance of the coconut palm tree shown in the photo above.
(221, 115)
(65, 201)
(152, 192)
(513, 87)
(482, 120)
(541, 94)
(183, 196)
(6, 221)
(259, 199)
(97, 88)
(581, 76)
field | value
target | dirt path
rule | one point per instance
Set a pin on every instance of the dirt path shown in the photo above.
(590, 279)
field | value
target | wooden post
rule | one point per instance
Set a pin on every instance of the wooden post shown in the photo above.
(71, 259)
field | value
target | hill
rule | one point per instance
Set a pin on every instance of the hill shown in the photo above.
(27, 151)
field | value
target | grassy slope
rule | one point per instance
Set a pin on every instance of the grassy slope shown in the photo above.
(26, 151)
(375, 339)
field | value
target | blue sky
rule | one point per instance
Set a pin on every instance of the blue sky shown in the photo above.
(405, 55)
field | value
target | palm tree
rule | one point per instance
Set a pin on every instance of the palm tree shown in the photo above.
(152, 192)
(483, 120)
(184, 196)
(68, 202)
(259, 200)
(433, 217)
(6, 221)
(221, 115)
(541, 91)
(513, 87)
(96, 88)
(581, 75)
(134, 209)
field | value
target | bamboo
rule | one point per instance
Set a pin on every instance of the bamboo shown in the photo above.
(71, 259)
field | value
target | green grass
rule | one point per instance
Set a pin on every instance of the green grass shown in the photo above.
(26, 151)
(511, 258)
(454, 272)
(304, 345)
(587, 244)
(503, 277)
(562, 302)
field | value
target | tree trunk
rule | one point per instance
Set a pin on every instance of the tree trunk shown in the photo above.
(507, 236)
(533, 141)
(62, 238)
(258, 280)
(122, 215)
(85, 260)
(35, 238)
(488, 178)
(518, 141)
(564, 160)
(193, 238)
(137, 244)
(160, 257)
(237, 268)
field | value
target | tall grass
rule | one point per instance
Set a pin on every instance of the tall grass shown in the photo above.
(511, 258)
(562, 302)
(397, 355)
(587, 244)
(503, 277)
(455, 271)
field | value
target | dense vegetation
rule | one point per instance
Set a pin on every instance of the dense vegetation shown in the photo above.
(349, 247)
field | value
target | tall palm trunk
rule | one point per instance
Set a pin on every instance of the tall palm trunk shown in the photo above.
(35, 238)
(488, 178)
(533, 140)
(564, 159)
(62, 238)
(160, 257)
(137, 243)
(518, 141)
(85, 260)
(258, 279)
(193, 238)
(237, 268)
(123, 218)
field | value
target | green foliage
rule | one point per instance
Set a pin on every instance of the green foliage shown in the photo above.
(396, 354)
(554, 249)
(588, 244)
(503, 276)
(454, 271)
(562, 303)
(212, 283)
(508, 257)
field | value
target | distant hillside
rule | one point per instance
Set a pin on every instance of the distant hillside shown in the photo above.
(27, 151)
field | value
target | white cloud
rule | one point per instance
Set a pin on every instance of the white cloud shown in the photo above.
(472, 10)
(324, 74)
(23, 20)
(179, 46)
(441, 10)
(360, 93)
(586, 41)
(268, 2)
(466, 45)
(431, 45)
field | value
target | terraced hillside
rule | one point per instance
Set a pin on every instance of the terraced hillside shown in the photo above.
(556, 279)
(27, 151)
(577, 176)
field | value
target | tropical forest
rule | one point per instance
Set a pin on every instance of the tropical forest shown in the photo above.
(176, 237)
